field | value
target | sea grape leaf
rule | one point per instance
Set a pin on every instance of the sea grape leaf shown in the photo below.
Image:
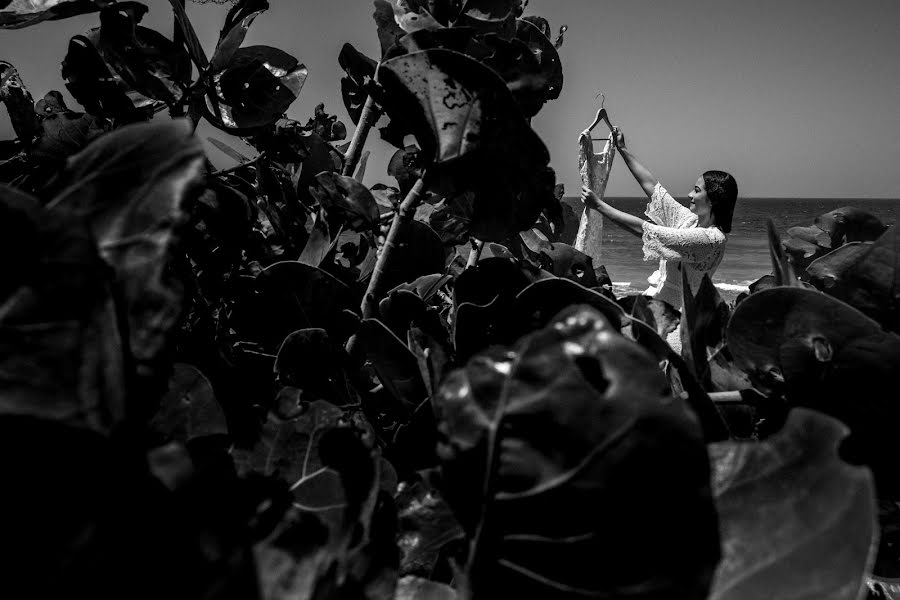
(294, 296)
(703, 320)
(360, 70)
(865, 276)
(824, 354)
(542, 300)
(256, 88)
(472, 136)
(98, 88)
(575, 424)
(413, 16)
(319, 243)
(796, 521)
(188, 409)
(19, 104)
(16, 14)
(489, 17)
(237, 23)
(850, 224)
(132, 187)
(59, 340)
(336, 473)
(550, 82)
(659, 315)
(417, 588)
(406, 167)
(680, 378)
(426, 525)
(421, 253)
(782, 269)
(291, 450)
(394, 363)
(346, 200)
(328, 127)
(64, 132)
(148, 62)
(388, 29)
(308, 360)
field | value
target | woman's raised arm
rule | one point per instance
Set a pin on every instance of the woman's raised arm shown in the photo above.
(643, 175)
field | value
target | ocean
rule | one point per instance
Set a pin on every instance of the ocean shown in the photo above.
(747, 254)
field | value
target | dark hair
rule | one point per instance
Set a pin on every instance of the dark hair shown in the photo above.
(722, 191)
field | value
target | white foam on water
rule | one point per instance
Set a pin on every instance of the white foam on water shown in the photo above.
(622, 283)
(731, 287)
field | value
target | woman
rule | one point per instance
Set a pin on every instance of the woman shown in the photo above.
(690, 240)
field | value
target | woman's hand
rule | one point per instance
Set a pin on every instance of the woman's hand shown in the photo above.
(589, 198)
(618, 138)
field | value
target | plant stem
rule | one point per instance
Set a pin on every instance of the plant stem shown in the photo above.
(395, 238)
(370, 114)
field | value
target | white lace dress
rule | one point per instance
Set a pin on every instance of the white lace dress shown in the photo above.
(678, 244)
(594, 170)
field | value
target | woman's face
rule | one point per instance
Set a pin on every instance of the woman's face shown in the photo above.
(700, 205)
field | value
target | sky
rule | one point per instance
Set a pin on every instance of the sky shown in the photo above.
(796, 98)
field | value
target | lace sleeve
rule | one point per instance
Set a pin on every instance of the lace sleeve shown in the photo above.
(701, 247)
(664, 210)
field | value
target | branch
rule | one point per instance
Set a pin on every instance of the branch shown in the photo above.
(396, 237)
(370, 115)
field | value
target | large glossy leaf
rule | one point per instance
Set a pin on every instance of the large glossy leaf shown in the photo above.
(473, 137)
(346, 201)
(98, 88)
(850, 224)
(294, 296)
(59, 340)
(16, 14)
(360, 70)
(575, 424)
(148, 62)
(256, 88)
(865, 276)
(796, 522)
(309, 361)
(131, 186)
(19, 104)
(64, 132)
(426, 525)
(417, 588)
(824, 354)
(395, 365)
(703, 320)
(188, 410)
(335, 473)
(234, 30)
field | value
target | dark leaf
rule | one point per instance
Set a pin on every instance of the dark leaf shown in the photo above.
(146, 61)
(489, 17)
(574, 424)
(59, 341)
(406, 167)
(473, 136)
(703, 320)
(388, 29)
(97, 87)
(132, 187)
(849, 224)
(865, 276)
(295, 296)
(319, 243)
(416, 588)
(17, 14)
(394, 363)
(548, 82)
(824, 354)
(237, 23)
(538, 303)
(346, 200)
(257, 87)
(19, 103)
(309, 361)
(328, 127)
(64, 133)
(188, 409)
(782, 269)
(421, 253)
(791, 497)
(426, 525)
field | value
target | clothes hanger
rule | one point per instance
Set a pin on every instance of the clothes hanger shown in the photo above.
(601, 116)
